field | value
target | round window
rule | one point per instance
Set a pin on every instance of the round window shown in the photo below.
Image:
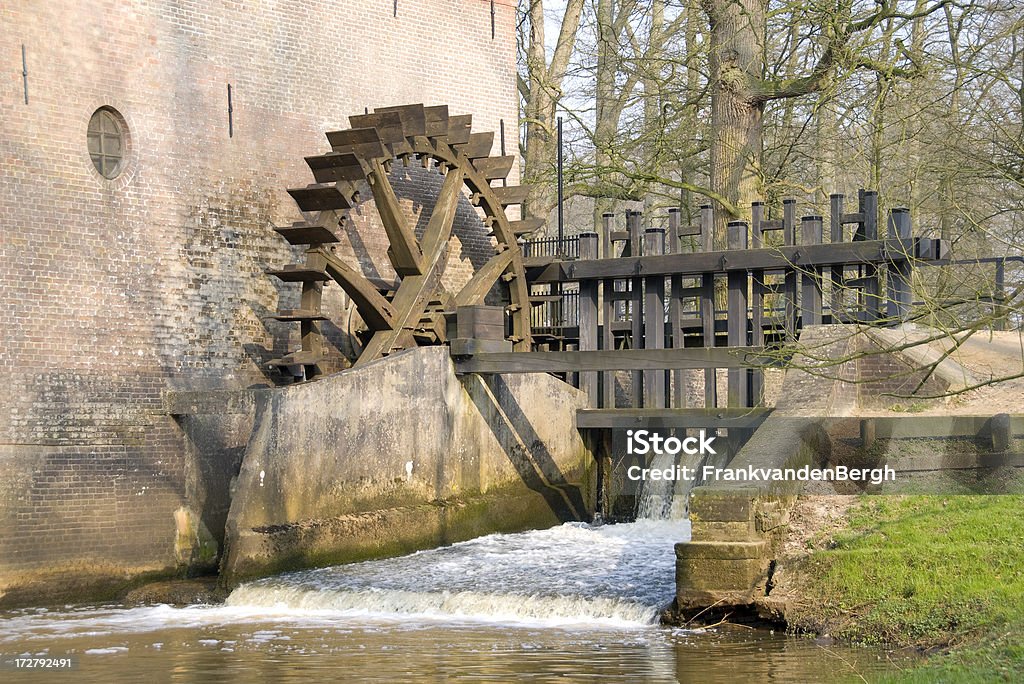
(107, 142)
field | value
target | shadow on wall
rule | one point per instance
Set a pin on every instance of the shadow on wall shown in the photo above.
(525, 450)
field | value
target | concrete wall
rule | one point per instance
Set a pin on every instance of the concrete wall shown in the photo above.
(737, 527)
(113, 292)
(401, 455)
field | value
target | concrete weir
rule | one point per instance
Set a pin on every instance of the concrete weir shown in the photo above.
(402, 455)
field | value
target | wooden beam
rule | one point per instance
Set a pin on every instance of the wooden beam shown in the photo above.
(373, 308)
(743, 418)
(770, 258)
(483, 280)
(621, 359)
(405, 253)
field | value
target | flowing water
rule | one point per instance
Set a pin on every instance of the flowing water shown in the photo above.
(571, 603)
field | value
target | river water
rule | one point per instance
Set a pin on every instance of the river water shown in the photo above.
(572, 603)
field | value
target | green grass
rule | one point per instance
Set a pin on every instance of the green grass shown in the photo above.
(944, 574)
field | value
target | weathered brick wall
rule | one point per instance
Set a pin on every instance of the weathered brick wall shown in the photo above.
(113, 291)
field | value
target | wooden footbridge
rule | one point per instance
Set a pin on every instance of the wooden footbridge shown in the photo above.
(646, 302)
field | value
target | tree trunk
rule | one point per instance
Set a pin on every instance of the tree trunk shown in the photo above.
(737, 36)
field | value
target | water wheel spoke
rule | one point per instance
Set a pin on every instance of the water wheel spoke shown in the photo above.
(373, 308)
(483, 280)
(439, 228)
(405, 253)
(410, 301)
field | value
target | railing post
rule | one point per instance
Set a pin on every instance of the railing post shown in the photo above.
(872, 286)
(899, 269)
(677, 382)
(707, 304)
(810, 300)
(837, 304)
(999, 308)
(588, 246)
(606, 235)
(789, 239)
(636, 302)
(757, 292)
(654, 320)
(737, 314)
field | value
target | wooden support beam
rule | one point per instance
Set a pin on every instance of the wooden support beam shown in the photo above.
(810, 278)
(483, 280)
(899, 273)
(636, 317)
(736, 315)
(790, 286)
(620, 359)
(768, 259)
(588, 322)
(652, 419)
(872, 293)
(654, 320)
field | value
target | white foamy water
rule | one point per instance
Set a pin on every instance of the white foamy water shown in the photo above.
(573, 574)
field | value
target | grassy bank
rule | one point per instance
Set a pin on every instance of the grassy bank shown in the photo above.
(943, 574)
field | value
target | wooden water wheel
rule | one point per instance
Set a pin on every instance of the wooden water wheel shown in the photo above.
(412, 310)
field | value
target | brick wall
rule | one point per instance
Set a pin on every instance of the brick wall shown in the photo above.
(114, 291)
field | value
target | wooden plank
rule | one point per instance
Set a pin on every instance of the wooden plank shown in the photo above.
(620, 359)
(745, 418)
(513, 194)
(405, 253)
(362, 142)
(435, 121)
(296, 273)
(459, 129)
(387, 124)
(319, 198)
(479, 145)
(299, 358)
(526, 226)
(412, 116)
(494, 168)
(336, 166)
(298, 315)
(302, 233)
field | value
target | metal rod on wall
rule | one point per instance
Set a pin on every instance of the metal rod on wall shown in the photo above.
(396, 8)
(24, 72)
(561, 218)
(501, 122)
(492, 19)
(231, 117)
